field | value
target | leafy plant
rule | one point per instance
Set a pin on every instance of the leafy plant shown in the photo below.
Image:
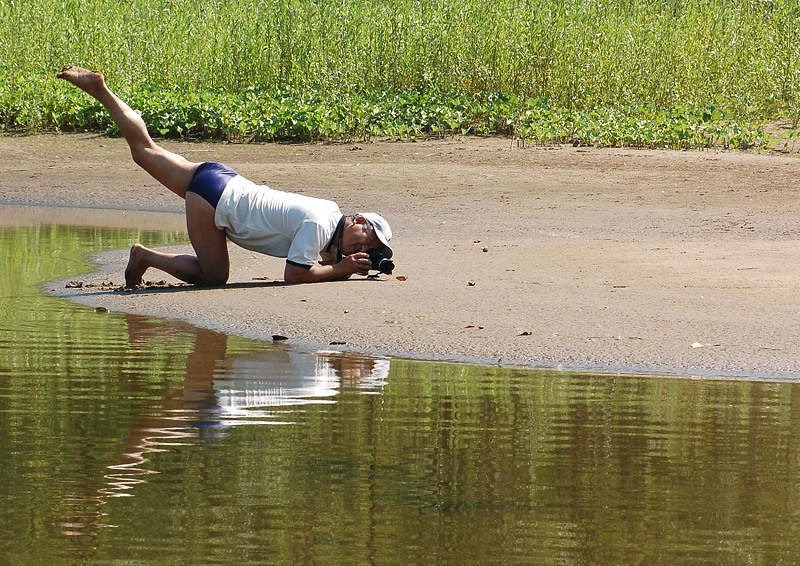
(548, 71)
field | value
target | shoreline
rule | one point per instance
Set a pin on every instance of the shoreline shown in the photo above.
(606, 261)
(97, 292)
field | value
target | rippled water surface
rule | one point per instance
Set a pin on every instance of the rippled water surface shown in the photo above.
(137, 440)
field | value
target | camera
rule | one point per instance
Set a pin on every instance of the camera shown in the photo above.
(382, 263)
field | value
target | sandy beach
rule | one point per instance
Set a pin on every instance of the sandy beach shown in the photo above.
(683, 263)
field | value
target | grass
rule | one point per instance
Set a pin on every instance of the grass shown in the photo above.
(650, 73)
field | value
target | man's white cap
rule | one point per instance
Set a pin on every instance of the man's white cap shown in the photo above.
(382, 230)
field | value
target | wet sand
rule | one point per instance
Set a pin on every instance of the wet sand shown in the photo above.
(682, 263)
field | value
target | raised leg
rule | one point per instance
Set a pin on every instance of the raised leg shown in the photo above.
(211, 264)
(170, 169)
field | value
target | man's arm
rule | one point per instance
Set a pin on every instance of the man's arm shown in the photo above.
(351, 264)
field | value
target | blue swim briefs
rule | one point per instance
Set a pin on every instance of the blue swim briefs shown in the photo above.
(210, 180)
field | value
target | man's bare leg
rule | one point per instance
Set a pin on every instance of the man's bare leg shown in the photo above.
(211, 265)
(170, 169)
(182, 266)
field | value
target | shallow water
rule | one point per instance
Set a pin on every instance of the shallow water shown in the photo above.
(134, 439)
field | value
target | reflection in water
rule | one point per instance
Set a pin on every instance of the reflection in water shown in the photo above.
(219, 390)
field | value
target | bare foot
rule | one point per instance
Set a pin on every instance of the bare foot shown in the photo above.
(88, 81)
(136, 267)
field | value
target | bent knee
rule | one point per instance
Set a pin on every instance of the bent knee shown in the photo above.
(215, 280)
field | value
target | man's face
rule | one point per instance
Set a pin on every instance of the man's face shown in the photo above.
(359, 236)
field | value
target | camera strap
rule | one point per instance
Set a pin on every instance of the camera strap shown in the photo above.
(340, 231)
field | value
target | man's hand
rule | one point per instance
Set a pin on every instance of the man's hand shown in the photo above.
(358, 263)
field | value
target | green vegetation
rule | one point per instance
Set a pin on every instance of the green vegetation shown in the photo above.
(650, 73)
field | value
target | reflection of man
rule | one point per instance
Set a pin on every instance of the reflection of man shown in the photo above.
(282, 378)
(219, 389)
(361, 372)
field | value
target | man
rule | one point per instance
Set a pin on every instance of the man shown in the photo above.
(318, 242)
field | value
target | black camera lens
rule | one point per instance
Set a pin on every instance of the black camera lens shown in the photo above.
(385, 266)
(380, 261)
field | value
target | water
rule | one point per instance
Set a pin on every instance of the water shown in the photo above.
(138, 440)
